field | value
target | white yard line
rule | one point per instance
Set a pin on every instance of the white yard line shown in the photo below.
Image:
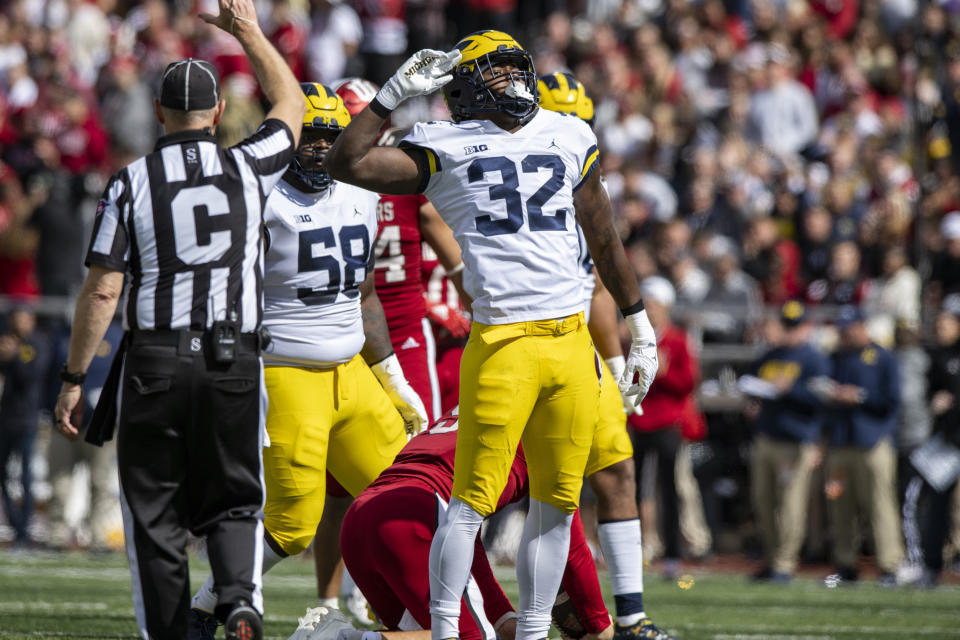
(42, 605)
(778, 631)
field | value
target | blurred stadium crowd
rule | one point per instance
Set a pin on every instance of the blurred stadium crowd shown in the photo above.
(756, 151)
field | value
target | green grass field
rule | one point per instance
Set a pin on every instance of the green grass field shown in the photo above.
(79, 596)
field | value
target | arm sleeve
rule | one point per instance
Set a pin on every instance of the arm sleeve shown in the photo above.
(581, 583)
(110, 242)
(269, 150)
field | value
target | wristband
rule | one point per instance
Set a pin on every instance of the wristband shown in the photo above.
(387, 369)
(616, 364)
(72, 378)
(371, 635)
(634, 308)
(379, 108)
(455, 270)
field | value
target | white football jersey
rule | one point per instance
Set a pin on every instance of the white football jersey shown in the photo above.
(319, 251)
(585, 270)
(508, 197)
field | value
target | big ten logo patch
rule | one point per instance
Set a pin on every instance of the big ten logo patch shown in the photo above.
(385, 211)
(475, 148)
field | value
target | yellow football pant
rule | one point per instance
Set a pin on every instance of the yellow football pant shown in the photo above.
(535, 382)
(611, 442)
(338, 419)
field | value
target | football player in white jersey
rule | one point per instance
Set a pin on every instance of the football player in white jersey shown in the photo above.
(338, 399)
(610, 469)
(510, 180)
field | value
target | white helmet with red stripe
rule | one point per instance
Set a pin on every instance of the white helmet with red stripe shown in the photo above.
(356, 93)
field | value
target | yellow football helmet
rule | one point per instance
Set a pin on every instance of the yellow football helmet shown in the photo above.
(326, 114)
(564, 93)
(469, 93)
(325, 109)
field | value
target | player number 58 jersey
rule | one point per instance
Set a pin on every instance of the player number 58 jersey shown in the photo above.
(508, 197)
(319, 251)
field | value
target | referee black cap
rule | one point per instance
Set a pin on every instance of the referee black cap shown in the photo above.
(190, 85)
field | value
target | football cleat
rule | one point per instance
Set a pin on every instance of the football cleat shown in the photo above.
(357, 608)
(643, 629)
(201, 625)
(326, 117)
(563, 93)
(243, 623)
(481, 85)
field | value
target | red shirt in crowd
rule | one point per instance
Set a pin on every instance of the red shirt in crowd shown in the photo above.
(667, 402)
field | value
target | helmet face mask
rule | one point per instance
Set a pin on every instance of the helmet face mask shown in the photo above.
(496, 75)
(308, 160)
(325, 118)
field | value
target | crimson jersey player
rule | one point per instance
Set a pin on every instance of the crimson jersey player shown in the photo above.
(404, 222)
(386, 536)
(450, 326)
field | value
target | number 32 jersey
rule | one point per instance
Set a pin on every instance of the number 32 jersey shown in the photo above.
(508, 197)
(319, 251)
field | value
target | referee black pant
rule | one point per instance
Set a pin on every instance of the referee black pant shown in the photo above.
(189, 454)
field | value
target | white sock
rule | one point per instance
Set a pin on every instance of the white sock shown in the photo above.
(451, 556)
(270, 558)
(347, 585)
(329, 603)
(544, 546)
(205, 598)
(623, 551)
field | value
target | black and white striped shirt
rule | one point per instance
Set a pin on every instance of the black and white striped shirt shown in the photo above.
(185, 223)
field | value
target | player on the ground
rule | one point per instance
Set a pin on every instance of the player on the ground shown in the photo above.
(610, 470)
(337, 396)
(508, 178)
(386, 544)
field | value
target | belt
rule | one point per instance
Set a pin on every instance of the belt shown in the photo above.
(192, 343)
(555, 327)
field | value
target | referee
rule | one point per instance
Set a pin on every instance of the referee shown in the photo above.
(185, 223)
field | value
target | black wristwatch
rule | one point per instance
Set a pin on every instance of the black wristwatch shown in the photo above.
(72, 378)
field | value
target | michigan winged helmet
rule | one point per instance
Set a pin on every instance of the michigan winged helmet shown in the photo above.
(562, 92)
(325, 118)
(480, 85)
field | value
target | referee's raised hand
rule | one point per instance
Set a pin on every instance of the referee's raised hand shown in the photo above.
(233, 14)
(280, 87)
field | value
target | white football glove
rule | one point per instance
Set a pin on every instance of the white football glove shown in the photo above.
(424, 72)
(641, 361)
(616, 365)
(321, 623)
(404, 398)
